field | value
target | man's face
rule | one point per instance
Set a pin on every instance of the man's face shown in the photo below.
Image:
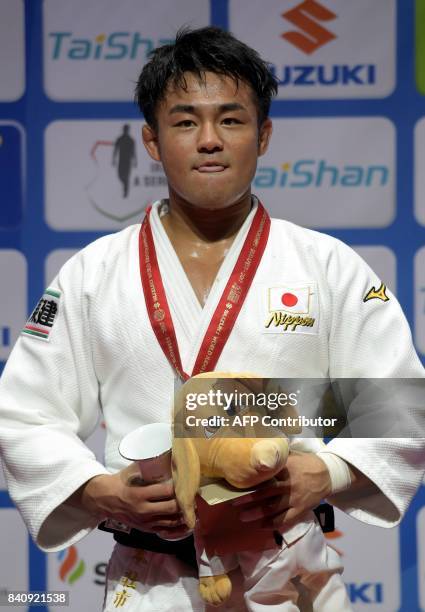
(208, 140)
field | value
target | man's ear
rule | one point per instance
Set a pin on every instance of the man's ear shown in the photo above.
(150, 140)
(264, 136)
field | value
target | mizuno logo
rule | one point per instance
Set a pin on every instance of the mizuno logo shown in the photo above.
(378, 294)
(305, 17)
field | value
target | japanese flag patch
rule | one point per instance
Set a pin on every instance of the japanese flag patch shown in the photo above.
(291, 308)
(43, 317)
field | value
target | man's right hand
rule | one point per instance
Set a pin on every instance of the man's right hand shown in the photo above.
(121, 496)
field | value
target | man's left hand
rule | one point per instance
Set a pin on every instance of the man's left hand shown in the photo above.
(301, 485)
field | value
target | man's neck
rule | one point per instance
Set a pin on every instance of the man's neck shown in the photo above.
(194, 224)
(202, 238)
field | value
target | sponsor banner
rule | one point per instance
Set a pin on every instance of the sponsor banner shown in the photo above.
(419, 328)
(322, 49)
(419, 139)
(80, 569)
(95, 51)
(14, 552)
(335, 172)
(372, 585)
(13, 305)
(12, 57)
(420, 45)
(112, 180)
(420, 530)
(12, 171)
(383, 262)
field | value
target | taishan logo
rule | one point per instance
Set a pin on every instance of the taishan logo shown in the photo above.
(319, 173)
(71, 568)
(305, 17)
(104, 46)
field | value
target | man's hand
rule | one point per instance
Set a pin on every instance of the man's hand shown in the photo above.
(302, 485)
(120, 496)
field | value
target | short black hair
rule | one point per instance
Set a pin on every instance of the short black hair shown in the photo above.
(208, 49)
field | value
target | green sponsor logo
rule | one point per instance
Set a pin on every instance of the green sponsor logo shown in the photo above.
(420, 46)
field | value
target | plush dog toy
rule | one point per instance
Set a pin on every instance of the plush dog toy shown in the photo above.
(245, 459)
(244, 462)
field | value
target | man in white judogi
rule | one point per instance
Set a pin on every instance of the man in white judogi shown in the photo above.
(104, 337)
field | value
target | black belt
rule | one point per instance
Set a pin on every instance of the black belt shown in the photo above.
(185, 549)
(182, 549)
(326, 516)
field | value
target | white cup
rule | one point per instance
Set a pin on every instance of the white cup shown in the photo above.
(150, 446)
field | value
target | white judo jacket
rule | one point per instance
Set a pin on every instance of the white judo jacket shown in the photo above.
(102, 355)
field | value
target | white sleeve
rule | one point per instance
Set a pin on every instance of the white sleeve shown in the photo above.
(372, 339)
(48, 405)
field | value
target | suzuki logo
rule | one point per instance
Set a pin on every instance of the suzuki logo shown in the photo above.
(366, 592)
(313, 35)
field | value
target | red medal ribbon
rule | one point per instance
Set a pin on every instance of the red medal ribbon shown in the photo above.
(228, 308)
